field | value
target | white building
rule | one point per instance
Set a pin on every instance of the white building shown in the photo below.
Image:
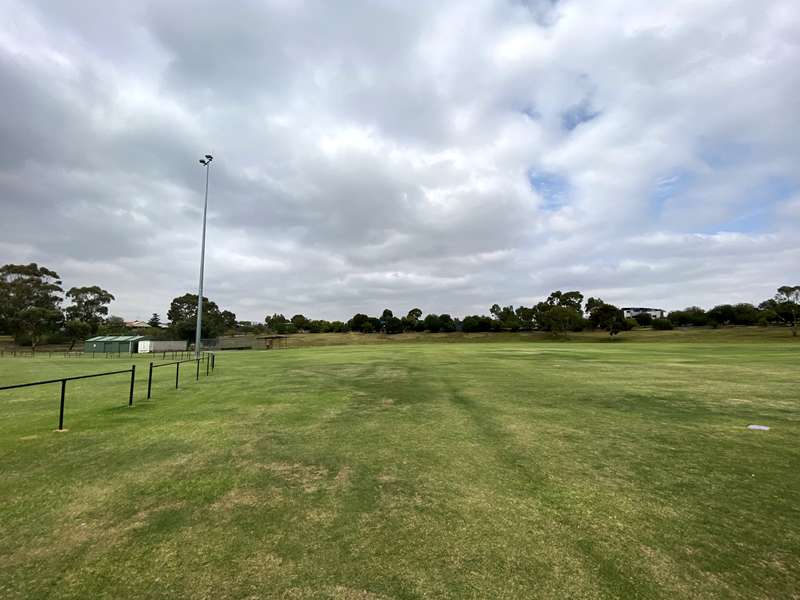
(632, 311)
(162, 346)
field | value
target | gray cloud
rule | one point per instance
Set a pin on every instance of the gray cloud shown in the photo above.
(373, 155)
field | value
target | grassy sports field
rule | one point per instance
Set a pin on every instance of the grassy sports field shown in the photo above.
(461, 470)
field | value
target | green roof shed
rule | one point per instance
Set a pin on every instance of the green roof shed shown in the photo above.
(118, 344)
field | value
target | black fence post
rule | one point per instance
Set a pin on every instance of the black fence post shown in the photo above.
(177, 370)
(149, 380)
(197, 373)
(208, 360)
(61, 408)
(133, 379)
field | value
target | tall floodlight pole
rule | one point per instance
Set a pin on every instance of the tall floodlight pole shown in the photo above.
(206, 162)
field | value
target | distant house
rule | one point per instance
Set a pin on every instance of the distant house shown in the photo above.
(137, 325)
(633, 311)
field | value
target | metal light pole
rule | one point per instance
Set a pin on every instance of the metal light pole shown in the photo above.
(206, 162)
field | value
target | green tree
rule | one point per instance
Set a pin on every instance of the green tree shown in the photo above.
(392, 325)
(76, 330)
(560, 313)
(412, 320)
(155, 321)
(691, 315)
(591, 304)
(432, 323)
(662, 324)
(526, 316)
(358, 322)
(446, 323)
(722, 314)
(609, 318)
(35, 322)
(745, 314)
(788, 306)
(506, 317)
(475, 323)
(114, 325)
(414, 314)
(89, 304)
(318, 326)
(559, 319)
(386, 316)
(566, 299)
(300, 322)
(228, 319)
(182, 315)
(338, 327)
(29, 300)
(276, 322)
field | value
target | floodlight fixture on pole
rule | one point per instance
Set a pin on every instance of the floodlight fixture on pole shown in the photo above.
(206, 162)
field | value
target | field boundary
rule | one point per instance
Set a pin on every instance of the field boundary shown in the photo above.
(209, 357)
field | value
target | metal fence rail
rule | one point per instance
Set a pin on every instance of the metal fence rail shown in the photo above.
(64, 380)
(209, 357)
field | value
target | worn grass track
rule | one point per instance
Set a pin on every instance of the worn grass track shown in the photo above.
(490, 470)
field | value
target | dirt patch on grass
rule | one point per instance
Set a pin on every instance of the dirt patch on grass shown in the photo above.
(338, 592)
(238, 497)
(320, 516)
(309, 477)
(342, 478)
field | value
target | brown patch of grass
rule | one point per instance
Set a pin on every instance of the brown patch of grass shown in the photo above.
(338, 592)
(342, 478)
(245, 497)
(309, 477)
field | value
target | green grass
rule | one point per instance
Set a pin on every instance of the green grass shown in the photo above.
(462, 470)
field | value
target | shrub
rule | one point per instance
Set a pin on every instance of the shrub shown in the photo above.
(662, 324)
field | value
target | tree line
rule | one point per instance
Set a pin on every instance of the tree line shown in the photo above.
(560, 313)
(31, 298)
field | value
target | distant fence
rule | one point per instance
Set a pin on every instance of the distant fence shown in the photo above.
(210, 363)
(174, 354)
(210, 360)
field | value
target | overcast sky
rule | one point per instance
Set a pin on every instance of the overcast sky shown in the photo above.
(446, 155)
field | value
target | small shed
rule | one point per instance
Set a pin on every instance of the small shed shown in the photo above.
(162, 346)
(118, 344)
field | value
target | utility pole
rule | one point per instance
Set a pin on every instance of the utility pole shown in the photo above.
(206, 162)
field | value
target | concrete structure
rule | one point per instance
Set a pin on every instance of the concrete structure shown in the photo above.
(162, 346)
(631, 312)
(230, 342)
(124, 344)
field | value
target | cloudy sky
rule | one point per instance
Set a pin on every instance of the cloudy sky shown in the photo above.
(446, 155)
